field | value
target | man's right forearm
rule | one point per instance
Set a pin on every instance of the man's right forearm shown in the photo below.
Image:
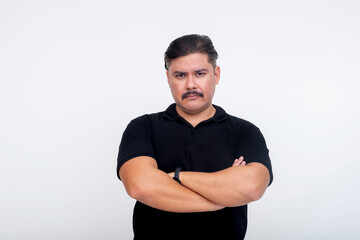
(155, 188)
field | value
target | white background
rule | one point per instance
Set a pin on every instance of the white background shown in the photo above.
(74, 73)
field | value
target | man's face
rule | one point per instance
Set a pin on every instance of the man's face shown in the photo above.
(192, 80)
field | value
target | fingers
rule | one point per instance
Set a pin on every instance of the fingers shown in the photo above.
(236, 163)
(239, 162)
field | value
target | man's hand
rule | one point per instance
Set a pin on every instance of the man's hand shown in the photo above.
(239, 162)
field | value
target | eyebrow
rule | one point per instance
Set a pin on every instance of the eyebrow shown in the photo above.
(178, 72)
(201, 70)
(196, 71)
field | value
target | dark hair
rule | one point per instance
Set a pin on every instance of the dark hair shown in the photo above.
(188, 44)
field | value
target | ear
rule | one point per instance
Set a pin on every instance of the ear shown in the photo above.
(217, 74)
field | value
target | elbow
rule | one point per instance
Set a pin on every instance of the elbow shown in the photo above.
(134, 192)
(255, 192)
(138, 191)
(136, 187)
(256, 186)
(255, 195)
(245, 195)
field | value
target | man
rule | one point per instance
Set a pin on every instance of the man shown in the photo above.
(192, 168)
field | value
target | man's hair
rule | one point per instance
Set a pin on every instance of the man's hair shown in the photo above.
(189, 44)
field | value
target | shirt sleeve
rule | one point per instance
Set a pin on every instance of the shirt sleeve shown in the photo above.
(135, 142)
(255, 149)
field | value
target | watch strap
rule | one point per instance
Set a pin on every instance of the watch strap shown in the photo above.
(177, 175)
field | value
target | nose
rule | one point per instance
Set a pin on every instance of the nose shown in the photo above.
(190, 82)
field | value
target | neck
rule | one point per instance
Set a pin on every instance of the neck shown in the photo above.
(195, 118)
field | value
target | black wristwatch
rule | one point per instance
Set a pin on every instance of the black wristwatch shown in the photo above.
(177, 175)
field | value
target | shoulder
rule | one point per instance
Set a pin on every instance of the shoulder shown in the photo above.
(147, 119)
(241, 123)
(246, 131)
(158, 117)
(234, 122)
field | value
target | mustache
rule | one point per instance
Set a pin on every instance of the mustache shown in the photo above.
(196, 93)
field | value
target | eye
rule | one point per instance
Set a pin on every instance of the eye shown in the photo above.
(200, 74)
(180, 75)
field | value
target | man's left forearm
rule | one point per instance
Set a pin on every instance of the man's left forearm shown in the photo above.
(234, 186)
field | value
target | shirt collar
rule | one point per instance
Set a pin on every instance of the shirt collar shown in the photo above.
(220, 114)
(171, 113)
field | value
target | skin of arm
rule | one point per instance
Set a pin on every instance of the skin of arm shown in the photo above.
(144, 182)
(231, 187)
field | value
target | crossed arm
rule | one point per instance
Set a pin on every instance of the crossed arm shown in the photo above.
(199, 192)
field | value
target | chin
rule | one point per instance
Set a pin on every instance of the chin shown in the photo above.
(193, 108)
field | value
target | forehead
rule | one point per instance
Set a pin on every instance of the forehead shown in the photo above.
(190, 62)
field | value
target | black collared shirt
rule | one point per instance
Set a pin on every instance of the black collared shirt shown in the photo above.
(211, 146)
